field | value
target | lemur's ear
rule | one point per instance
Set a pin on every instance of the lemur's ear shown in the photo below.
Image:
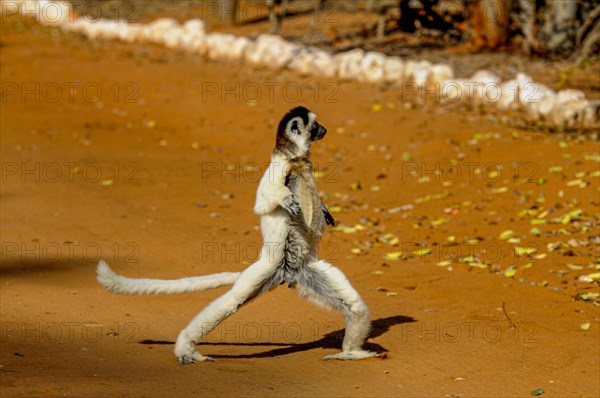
(295, 128)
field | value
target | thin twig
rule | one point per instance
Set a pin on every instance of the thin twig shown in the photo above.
(510, 321)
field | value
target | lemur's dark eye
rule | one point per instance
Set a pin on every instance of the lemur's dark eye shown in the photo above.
(295, 128)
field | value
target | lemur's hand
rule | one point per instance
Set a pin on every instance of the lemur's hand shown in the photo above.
(291, 205)
(329, 220)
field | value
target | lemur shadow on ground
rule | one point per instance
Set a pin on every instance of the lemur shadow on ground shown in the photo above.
(330, 340)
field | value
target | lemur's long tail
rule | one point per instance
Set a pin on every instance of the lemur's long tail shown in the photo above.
(118, 284)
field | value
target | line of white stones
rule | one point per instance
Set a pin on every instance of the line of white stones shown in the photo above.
(566, 108)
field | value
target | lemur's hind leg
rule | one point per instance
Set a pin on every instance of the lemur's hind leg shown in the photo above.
(325, 285)
(255, 280)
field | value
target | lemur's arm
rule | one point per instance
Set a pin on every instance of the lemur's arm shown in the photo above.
(272, 191)
(329, 220)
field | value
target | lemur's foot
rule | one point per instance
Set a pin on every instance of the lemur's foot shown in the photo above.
(353, 355)
(291, 205)
(185, 351)
(196, 356)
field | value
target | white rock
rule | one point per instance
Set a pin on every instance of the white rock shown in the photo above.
(509, 95)
(270, 51)
(591, 115)
(217, 46)
(130, 32)
(537, 102)
(527, 87)
(455, 90)
(568, 109)
(393, 70)
(349, 64)
(323, 64)
(173, 37)
(303, 60)
(220, 46)
(485, 86)
(568, 95)
(550, 105)
(311, 61)
(194, 44)
(194, 37)
(440, 73)
(372, 67)
(418, 72)
(484, 76)
(105, 29)
(194, 27)
(238, 48)
(154, 31)
(543, 108)
(79, 25)
(569, 114)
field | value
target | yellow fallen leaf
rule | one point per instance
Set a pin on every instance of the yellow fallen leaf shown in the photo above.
(478, 264)
(345, 229)
(543, 214)
(421, 252)
(524, 250)
(499, 190)
(393, 256)
(438, 222)
(595, 276)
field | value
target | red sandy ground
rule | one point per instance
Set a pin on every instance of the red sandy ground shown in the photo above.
(135, 178)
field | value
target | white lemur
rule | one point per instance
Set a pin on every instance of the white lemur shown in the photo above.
(292, 219)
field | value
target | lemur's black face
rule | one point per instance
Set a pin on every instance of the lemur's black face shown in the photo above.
(297, 130)
(317, 132)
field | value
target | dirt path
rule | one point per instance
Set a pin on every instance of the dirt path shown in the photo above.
(152, 162)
